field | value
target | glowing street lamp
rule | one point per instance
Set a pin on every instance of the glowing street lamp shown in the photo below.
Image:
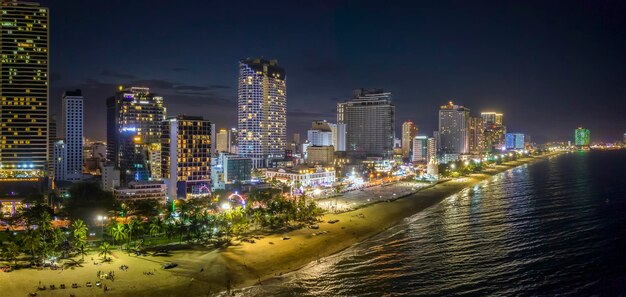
(101, 219)
(452, 166)
(225, 206)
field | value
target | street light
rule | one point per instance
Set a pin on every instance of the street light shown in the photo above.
(101, 219)
(225, 206)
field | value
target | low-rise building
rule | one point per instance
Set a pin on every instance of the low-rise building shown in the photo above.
(142, 191)
(303, 175)
(227, 169)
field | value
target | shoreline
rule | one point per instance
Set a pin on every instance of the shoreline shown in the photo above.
(353, 227)
(209, 272)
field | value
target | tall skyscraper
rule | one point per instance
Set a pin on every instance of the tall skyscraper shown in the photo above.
(409, 131)
(23, 90)
(476, 135)
(369, 117)
(71, 128)
(453, 129)
(431, 153)
(262, 110)
(420, 149)
(52, 138)
(134, 123)
(494, 130)
(186, 157)
(339, 137)
(581, 137)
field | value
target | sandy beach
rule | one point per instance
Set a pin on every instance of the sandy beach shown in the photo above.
(204, 272)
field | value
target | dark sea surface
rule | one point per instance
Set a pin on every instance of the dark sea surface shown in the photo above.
(554, 227)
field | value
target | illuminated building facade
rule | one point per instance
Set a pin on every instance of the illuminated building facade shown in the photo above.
(226, 140)
(303, 176)
(420, 149)
(24, 145)
(71, 128)
(409, 131)
(320, 155)
(262, 110)
(369, 118)
(515, 141)
(476, 135)
(186, 156)
(494, 130)
(134, 123)
(581, 137)
(226, 169)
(52, 138)
(454, 129)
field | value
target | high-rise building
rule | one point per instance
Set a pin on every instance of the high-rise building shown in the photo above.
(420, 149)
(581, 137)
(494, 130)
(134, 123)
(369, 117)
(515, 141)
(52, 138)
(222, 141)
(409, 131)
(339, 137)
(233, 147)
(24, 90)
(431, 151)
(476, 135)
(296, 138)
(453, 129)
(186, 156)
(59, 167)
(71, 128)
(262, 110)
(490, 117)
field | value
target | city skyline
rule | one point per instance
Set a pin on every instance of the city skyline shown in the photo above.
(435, 66)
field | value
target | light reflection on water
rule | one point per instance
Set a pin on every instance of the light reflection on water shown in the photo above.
(554, 227)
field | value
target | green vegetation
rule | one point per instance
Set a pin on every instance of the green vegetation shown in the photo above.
(138, 226)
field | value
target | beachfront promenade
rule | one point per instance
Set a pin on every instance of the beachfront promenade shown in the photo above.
(203, 271)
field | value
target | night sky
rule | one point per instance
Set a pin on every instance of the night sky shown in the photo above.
(549, 66)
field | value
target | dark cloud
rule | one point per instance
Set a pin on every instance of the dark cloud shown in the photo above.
(179, 69)
(109, 73)
(217, 87)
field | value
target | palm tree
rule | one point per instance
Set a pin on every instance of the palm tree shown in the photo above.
(81, 244)
(10, 252)
(132, 227)
(155, 228)
(31, 242)
(79, 228)
(105, 250)
(118, 232)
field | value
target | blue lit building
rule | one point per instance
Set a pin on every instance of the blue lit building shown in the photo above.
(514, 141)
